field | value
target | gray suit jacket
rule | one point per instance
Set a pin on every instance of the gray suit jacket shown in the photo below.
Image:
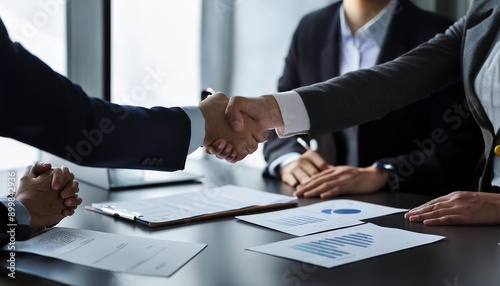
(455, 55)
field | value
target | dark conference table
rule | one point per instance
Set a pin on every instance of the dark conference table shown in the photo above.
(469, 256)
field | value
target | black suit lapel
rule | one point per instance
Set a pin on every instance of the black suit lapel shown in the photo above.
(394, 43)
(330, 54)
(332, 146)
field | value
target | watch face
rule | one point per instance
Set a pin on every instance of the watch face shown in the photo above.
(385, 167)
(388, 167)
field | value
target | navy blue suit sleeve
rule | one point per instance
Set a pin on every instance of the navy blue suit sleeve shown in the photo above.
(3, 225)
(44, 109)
(10, 232)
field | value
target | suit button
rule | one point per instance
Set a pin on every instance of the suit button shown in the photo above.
(497, 150)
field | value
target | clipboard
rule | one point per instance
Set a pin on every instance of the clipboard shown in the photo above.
(218, 202)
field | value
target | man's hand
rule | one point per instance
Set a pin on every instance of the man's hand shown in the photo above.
(44, 205)
(223, 150)
(263, 109)
(62, 180)
(459, 208)
(301, 170)
(341, 180)
(244, 142)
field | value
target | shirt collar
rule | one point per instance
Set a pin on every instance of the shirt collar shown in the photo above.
(376, 28)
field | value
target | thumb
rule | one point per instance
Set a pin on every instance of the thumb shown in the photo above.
(233, 113)
(37, 168)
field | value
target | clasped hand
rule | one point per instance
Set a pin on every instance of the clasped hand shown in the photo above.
(220, 139)
(48, 194)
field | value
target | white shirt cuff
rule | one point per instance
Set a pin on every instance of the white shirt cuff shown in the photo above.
(282, 161)
(294, 114)
(21, 213)
(197, 127)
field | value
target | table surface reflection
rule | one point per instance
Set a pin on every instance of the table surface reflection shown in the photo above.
(470, 255)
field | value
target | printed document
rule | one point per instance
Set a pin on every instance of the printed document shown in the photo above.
(328, 215)
(119, 253)
(338, 247)
(215, 202)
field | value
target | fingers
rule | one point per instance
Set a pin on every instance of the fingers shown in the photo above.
(38, 168)
(70, 190)
(245, 141)
(294, 177)
(430, 212)
(220, 148)
(262, 109)
(446, 220)
(327, 183)
(437, 203)
(233, 113)
(301, 170)
(68, 212)
(315, 186)
(316, 159)
(318, 179)
(439, 217)
(61, 177)
(322, 190)
(71, 199)
(260, 135)
(73, 202)
(454, 208)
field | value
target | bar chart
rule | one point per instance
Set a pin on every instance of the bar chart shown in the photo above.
(296, 220)
(332, 247)
(338, 247)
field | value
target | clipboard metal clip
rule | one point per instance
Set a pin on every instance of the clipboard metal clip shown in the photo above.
(123, 213)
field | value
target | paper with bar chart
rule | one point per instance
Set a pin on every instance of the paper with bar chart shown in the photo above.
(338, 247)
(328, 215)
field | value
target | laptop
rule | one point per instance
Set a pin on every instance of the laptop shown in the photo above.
(128, 178)
(122, 179)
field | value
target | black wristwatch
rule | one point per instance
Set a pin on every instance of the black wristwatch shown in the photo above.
(392, 174)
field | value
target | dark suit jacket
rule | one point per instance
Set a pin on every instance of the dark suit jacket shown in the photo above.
(403, 137)
(448, 58)
(10, 232)
(44, 109)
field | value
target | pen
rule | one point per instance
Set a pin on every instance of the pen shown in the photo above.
(120, 212)
(303, 143)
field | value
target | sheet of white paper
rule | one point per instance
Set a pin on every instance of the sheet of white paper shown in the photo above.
(319, 217)
(338, 247)
(119, 253)
(170, 208)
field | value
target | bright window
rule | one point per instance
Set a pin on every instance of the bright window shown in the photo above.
(40, 26)
(155, 57)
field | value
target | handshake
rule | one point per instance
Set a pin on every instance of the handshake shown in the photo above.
(234, 127)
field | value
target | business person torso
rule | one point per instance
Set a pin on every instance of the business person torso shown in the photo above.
(481, 75)
(314, 57)
(456, 55)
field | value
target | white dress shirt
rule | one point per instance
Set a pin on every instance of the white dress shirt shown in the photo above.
(487, 87)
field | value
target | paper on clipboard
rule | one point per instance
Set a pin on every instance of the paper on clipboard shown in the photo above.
(215, 202)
